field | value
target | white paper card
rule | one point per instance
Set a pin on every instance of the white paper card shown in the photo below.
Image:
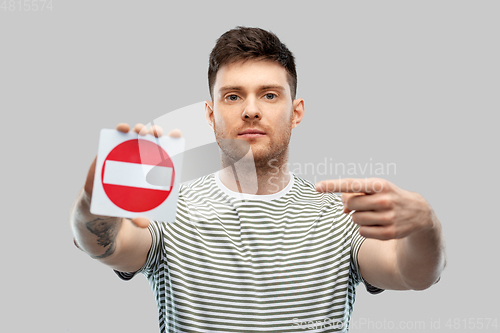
(137, 176)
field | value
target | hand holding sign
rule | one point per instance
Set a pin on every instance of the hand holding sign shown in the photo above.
(133, 175)
(382, 210)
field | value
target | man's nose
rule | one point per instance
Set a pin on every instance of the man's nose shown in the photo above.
(251, 110)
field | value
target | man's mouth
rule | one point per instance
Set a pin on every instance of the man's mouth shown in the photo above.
(251, 133)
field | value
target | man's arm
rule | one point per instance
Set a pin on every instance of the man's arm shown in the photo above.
(114, 241)
(120, 243)
(404, 248)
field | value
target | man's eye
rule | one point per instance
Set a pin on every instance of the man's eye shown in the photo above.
(270, 96)
(232, 98)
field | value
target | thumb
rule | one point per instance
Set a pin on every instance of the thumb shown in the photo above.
(345, 197)
(141, 222)
(89, 181)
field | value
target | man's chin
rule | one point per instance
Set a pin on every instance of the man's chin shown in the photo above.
(266, 159)
(252, 159)
(251, 152)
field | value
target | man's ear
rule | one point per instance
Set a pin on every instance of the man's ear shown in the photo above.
(298, 112)
(209, 113)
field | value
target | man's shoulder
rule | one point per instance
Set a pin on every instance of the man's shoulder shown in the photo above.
(308, 188)
(198, 183)
(307, 184)
(303, 183)
(196, 189)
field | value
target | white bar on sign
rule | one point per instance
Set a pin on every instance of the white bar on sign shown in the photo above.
(134, 175)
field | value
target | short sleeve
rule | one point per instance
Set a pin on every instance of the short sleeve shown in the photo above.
(154, 253)
(356, 242)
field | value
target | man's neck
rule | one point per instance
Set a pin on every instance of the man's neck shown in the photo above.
(256, 178)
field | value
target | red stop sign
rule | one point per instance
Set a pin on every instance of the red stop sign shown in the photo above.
(130, 191)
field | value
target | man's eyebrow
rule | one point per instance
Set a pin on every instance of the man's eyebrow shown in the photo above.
(273, 86)
(265, 87)
(226, 88)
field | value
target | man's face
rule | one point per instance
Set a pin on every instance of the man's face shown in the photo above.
(252, 102)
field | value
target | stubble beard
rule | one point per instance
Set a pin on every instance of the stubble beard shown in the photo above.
(265, 159)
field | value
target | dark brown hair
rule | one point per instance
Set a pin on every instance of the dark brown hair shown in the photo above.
(244, 43)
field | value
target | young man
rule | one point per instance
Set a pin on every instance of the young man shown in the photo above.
(253, 249)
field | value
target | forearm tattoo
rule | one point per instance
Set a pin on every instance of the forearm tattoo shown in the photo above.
(106, 231)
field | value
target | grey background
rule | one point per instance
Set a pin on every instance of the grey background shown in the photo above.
(413, 83)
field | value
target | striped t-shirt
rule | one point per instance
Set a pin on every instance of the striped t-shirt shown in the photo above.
(231, 262)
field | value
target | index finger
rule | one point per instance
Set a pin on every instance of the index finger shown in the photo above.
(352, 185)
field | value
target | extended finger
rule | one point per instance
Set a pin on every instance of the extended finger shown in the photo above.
(353, 185)
(122, 127)
(141, 222)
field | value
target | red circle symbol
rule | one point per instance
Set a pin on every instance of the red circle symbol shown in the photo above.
(132, 154)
